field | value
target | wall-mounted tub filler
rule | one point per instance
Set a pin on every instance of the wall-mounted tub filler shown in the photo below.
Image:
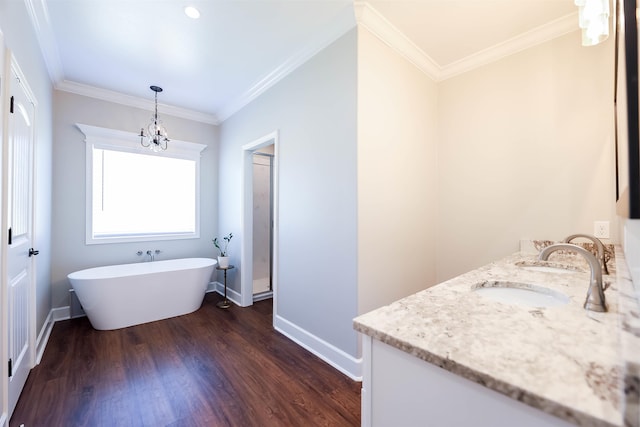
(595, 300)
(152, 254)
(598, 244)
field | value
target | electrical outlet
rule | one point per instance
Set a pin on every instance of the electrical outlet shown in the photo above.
(601, 229)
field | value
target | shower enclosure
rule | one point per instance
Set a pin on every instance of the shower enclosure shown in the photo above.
(263, 223)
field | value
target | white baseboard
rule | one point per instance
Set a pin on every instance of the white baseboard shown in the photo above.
(235, 296)
(55, 315)
(262, 296)
(232, 295)
(345, 363)
(211, 287)
(43, 336)
(337, 358)
(61, 313)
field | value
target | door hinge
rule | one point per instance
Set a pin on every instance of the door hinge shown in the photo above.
(11, 105)
(10, 368)
(9, 235)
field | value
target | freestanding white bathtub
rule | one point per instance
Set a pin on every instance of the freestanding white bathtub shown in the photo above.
(124, 295)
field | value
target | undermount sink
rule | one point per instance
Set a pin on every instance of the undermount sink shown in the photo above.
(548, 267)
(524, 294)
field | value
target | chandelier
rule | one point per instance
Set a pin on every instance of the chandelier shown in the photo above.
(156, 137)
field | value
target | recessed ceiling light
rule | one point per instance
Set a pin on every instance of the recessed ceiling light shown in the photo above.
(192, 12)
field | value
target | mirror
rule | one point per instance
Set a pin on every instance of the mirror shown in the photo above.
(626, 110)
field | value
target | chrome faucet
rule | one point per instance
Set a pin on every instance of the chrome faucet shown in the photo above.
(595, 300)
(152, 254)
(598, 244)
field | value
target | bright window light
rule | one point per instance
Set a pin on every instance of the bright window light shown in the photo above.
(135, 195)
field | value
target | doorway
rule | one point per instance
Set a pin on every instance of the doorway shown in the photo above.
(263, 223)
(259, 265)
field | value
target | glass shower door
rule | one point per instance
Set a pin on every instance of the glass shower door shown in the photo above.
(262, 222)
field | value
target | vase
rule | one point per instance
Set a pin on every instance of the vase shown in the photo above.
(223, 261)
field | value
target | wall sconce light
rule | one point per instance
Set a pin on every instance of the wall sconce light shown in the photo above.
(593, 19)
(156, 136)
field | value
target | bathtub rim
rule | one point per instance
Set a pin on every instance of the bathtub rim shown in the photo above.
(140, 268)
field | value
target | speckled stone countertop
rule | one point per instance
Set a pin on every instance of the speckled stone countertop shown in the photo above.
(563, 360)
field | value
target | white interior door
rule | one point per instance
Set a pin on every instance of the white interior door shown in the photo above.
(20, 278)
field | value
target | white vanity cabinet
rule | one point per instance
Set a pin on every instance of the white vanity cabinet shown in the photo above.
(452, 356)
(400, 390)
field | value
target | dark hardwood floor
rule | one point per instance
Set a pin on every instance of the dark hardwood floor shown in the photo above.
(213, 367)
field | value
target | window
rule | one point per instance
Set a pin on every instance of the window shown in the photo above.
(136, 195)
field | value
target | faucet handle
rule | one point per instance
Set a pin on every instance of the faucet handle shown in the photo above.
(139, 253)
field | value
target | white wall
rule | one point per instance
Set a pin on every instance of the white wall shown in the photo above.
(69, 248)
(397, 175)
(20, 38)
(314, 110)
(525, 151)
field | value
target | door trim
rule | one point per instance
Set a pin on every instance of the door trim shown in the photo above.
(246, 251)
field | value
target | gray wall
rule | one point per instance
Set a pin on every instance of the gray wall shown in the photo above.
(69, 248)
(20, 38)
(314, 109)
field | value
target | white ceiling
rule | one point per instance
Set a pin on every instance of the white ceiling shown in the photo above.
(238, 48)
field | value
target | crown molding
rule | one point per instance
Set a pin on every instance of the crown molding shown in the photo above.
(378, 25)
(534, 37)
(332, 32)
(369, 18)
(39, 15)
(134, 101)
(365, 15)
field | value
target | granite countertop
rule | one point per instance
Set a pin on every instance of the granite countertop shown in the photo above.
(564, 360)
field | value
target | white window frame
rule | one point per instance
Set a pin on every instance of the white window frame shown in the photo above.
(103, 138)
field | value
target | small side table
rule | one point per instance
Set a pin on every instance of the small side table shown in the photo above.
(225, 302)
